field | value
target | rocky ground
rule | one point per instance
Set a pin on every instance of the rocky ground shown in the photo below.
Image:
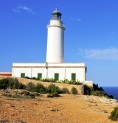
(65, 109)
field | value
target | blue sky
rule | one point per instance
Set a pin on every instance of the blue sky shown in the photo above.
(91, 34)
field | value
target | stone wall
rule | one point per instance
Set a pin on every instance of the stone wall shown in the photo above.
(88, 83)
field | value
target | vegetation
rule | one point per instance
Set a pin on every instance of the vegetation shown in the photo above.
(31, 91)
(36, 88)
(66, 81)
(65, 91)
(11, 83)
(49, 80)
(74, 90)
(96, 91)
(114, 114)
(87, 90)
(53, 89)
(40, 88)
(19, 94)
(53, 95)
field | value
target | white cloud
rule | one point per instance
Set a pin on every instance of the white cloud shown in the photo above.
(75, 19)
(20, 8)
(17, 11)
(105, 54)
(79, 19)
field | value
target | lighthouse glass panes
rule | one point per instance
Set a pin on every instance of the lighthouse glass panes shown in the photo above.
(56, 15)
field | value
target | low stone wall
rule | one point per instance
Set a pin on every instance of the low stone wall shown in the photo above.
(88, 83)
(80, 88)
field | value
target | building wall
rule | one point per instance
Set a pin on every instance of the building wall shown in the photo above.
(55, 42)
(5, 74)
(29, 72)
(64, 71)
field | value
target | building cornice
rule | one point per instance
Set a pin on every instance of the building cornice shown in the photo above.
(49, 66)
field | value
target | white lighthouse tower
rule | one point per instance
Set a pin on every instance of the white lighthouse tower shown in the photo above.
(55, 39)
(55, 67)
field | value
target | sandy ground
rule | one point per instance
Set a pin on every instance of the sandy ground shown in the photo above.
(66, 109)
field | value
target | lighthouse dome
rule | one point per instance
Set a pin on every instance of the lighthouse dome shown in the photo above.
(56, 15)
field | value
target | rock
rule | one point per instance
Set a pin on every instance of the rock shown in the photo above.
(35, 93)
(53, 109)
(11, 121)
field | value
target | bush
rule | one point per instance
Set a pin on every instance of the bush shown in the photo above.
(65, 90)
(30, 87)
(87, 90)
(26, 77)
(40, 88)
(74, 90)
(34, 78)
(11, 83)
(53, 89)
(49, 80)
(19, 94)
(95, 87)
(98, 93)
(4, 84)
(53, 95)
(36, 88)
(66, 81)
(114, 114)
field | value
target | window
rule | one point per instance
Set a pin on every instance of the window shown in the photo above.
(39, 76)
(56, 76)
(73, 76)
(22, 75)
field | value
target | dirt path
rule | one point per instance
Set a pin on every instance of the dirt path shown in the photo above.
(65, 109)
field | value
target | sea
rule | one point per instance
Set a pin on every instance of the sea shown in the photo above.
(112, 91)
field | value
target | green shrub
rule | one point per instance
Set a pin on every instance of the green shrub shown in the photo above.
(34, 78)
(11, 83)
(36, 88)
(53, 95)
(53, 89)
(40, 88)
(65, 90)
(30, 87)
(96, 87)
(98, 93)
(27, 77)
(74, 90)
(25, 94)
(110, 96)
(48, 80)
(60, 81)
(15, 96)
(87, 90)
(73, 81)
(114, 114)
(4, 83)
(66, 81)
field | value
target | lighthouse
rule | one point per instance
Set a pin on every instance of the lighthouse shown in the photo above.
(55, 39)
(54, 67)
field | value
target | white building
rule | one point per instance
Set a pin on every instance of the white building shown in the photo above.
(54, 66)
